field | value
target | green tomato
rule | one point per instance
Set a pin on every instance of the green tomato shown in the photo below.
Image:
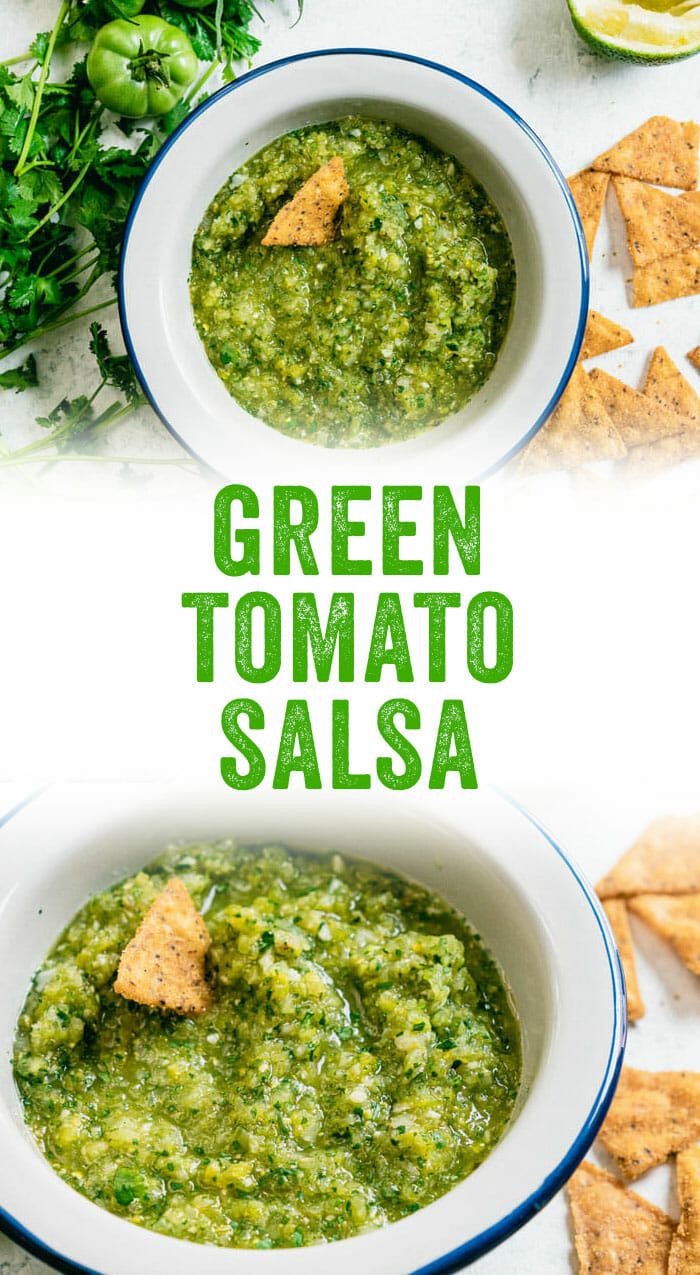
(141, 67)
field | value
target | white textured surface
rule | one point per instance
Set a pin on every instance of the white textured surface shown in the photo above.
(526, 53)
(594, 823)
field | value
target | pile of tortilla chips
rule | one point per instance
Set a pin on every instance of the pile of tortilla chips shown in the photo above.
(599, 417)
(618, 1232)
(655, 1115)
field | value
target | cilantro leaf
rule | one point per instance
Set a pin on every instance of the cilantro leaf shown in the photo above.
(21, 92)
(69, 418)
(20, 378)
(41, 186)
(39, 46)
(116, 369)
(190, 21)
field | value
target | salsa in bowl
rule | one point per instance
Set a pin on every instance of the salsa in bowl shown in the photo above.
(462, 284)
(357, 1057)
(383, 331)
(486, 861)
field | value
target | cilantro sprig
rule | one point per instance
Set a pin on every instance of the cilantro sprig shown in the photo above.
(72, 419)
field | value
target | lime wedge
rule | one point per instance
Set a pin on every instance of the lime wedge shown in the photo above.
(645, 31)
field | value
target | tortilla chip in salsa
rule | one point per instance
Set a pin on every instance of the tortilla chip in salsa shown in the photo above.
(164, 964)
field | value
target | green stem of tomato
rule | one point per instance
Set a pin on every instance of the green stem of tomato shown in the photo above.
(43, 76)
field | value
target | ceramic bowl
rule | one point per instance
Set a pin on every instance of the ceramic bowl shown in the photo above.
(534, 910)
(457, 115)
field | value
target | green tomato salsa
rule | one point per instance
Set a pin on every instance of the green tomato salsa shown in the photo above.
(360, 1058)
(383, 332)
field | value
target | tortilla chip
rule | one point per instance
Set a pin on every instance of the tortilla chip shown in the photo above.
(309, 218)
(662, 151)
(666, 384)
(668, 278)
(694, 356)
(664, 860)
(589, 190)
(669, 388)
(602, 335)
(163, 965)
(616, 1231)
(616, 910)
(685, 1245)
(579, 430)
(653, 1115)
(675, 917)
(636, 417)
(658, 224)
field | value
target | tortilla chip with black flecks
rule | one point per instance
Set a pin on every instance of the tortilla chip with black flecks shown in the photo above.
(668, 278)
(164, 964)
(668, 387)
(653, 1115)
(637, 419)
(616, 1231)
(658, 224)
(662, 151)
(602, 335)
(578, 431)
(308, 220)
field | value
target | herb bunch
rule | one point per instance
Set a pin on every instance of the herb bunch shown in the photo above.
(66, 186)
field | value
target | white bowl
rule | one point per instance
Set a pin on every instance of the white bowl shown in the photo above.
(534, 910)
(459, 116)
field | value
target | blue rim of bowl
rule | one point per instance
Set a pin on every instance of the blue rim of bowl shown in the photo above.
(401, 57)
(489, 1239)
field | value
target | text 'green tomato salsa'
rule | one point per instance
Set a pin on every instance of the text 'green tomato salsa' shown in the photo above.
(360, 1058)
(381, 333)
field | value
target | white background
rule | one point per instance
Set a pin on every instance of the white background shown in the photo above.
(596, 730)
